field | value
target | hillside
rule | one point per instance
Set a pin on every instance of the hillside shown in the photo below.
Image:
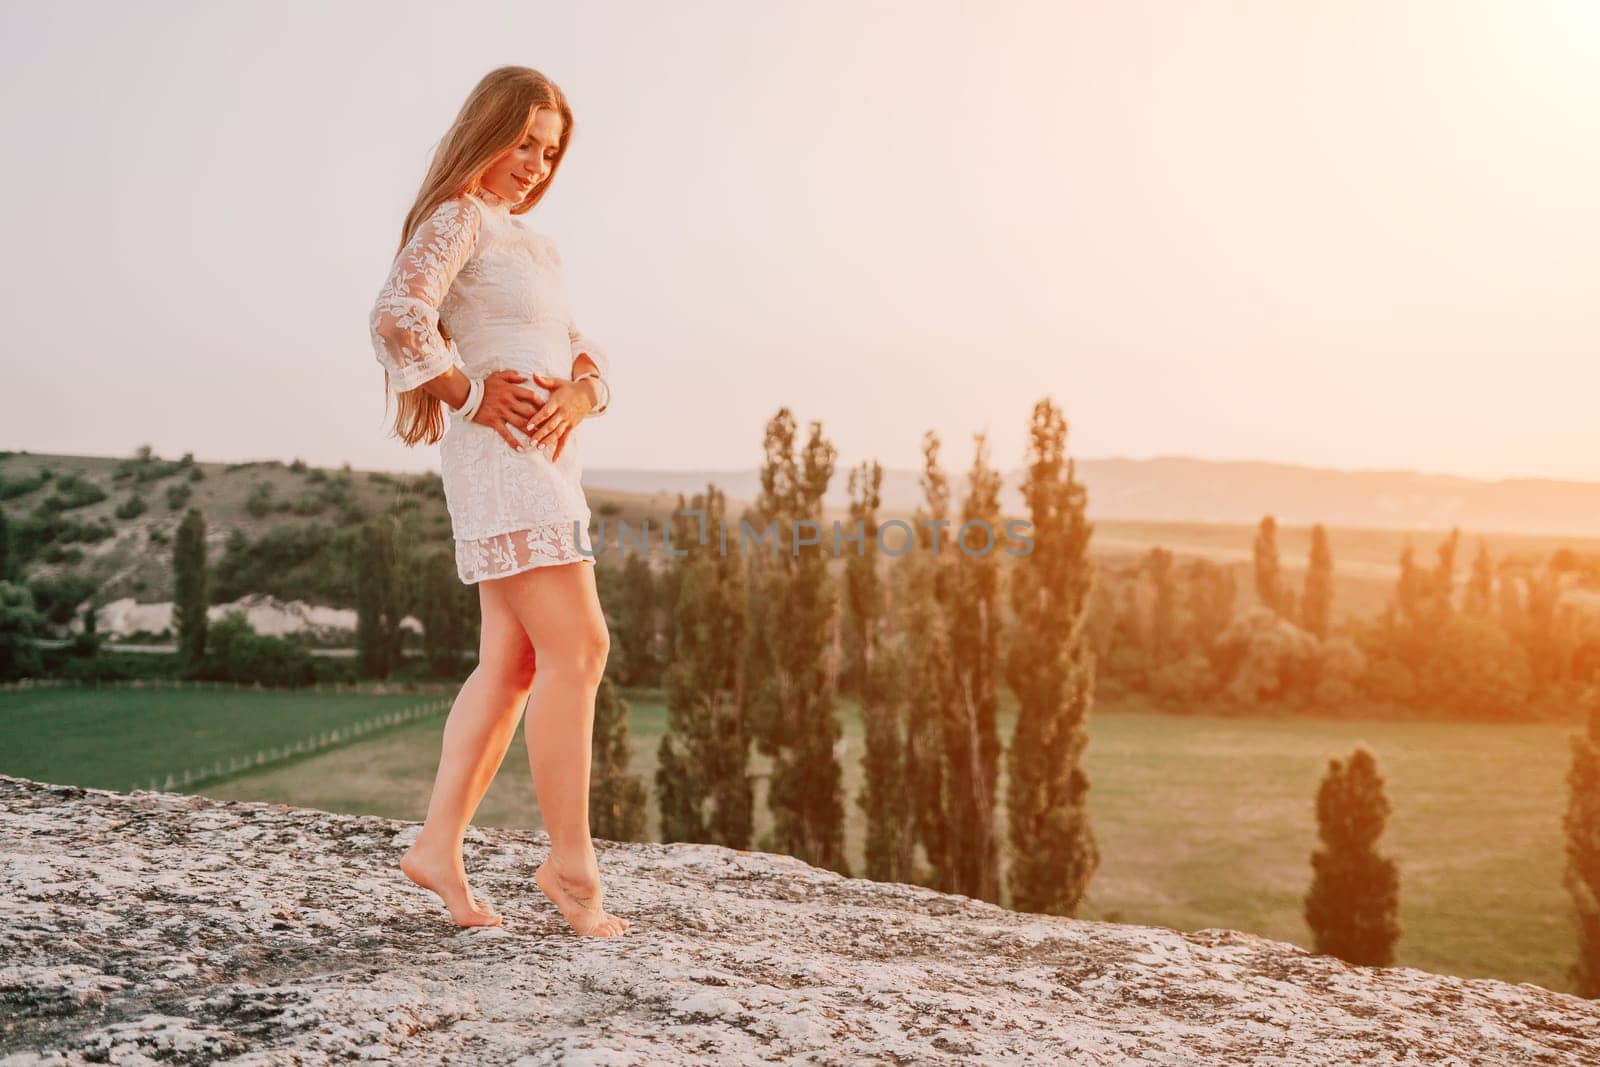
(1136, 505)
(78, 521)
(185, 929)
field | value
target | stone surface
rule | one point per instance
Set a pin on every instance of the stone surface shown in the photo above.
(155, 927)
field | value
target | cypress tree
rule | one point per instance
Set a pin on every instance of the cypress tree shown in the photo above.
(1269, 576)
(1051, 670)
(885, 797)
(794, 717)
(1479, 598)
(703, 787)
(1211, 594)
(616, 798)
(189, 591)
(1353, 905)
(1582, 823)
(1512, 607)
(1316, 606)
(971, 741)
(924, 578)
(636, 616)
(1441, 589)
(864, 596)
(1411, 589)
(378, 597)
(442, 612)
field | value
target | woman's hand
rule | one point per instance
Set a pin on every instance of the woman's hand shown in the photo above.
(505, 402)
(567, 406)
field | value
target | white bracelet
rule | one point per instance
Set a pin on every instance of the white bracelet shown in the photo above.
(606, 391)
(469, 407)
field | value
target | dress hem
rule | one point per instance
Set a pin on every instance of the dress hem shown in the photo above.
(520, 549)
(526, 567)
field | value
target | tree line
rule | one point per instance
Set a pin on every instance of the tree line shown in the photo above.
(755, 652)
(1502, 645)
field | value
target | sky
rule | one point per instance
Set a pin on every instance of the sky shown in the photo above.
(1344, 233)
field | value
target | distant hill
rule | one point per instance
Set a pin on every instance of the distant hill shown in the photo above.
(93, 536)
(1185, 489)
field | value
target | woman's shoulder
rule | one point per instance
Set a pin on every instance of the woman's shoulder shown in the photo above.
(457, 216)
(465, 206)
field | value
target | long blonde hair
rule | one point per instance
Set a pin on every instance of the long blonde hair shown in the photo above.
(496, 116)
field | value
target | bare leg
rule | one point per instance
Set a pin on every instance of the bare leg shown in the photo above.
(560, 609)
(477, 735)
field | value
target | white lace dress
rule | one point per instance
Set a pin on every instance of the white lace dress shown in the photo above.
(496, 284)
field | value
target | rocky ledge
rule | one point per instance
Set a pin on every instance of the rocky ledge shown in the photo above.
(154, 927)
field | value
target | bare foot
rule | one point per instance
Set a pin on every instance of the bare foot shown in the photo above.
(445, 876)
(579, 901)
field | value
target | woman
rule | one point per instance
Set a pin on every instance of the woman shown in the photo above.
(472, 279)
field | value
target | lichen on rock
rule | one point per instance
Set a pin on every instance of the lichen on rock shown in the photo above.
(155, 927)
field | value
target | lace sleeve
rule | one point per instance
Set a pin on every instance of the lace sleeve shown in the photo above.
(405, 317)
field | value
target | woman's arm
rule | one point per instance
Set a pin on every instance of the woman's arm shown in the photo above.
(599, 392)
(450, 388)
(587, 357)
(404, 321)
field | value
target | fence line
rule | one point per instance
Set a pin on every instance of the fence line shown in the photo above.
(319, 742)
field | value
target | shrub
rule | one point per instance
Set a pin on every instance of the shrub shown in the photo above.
(58, 599)
(260, 502)
(145, 466)
(73, 491)
(15, 487)
(87, 532)
(236, 653)
(98, 668)
(20, 623)
(1340, 669)
(1390, 681)
(1185, 681)
(1475, 671)
(1267, 656)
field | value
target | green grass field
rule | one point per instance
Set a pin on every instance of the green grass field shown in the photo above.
(1202, 821)
(122, 738)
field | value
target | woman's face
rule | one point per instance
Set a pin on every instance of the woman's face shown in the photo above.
(514, 173)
